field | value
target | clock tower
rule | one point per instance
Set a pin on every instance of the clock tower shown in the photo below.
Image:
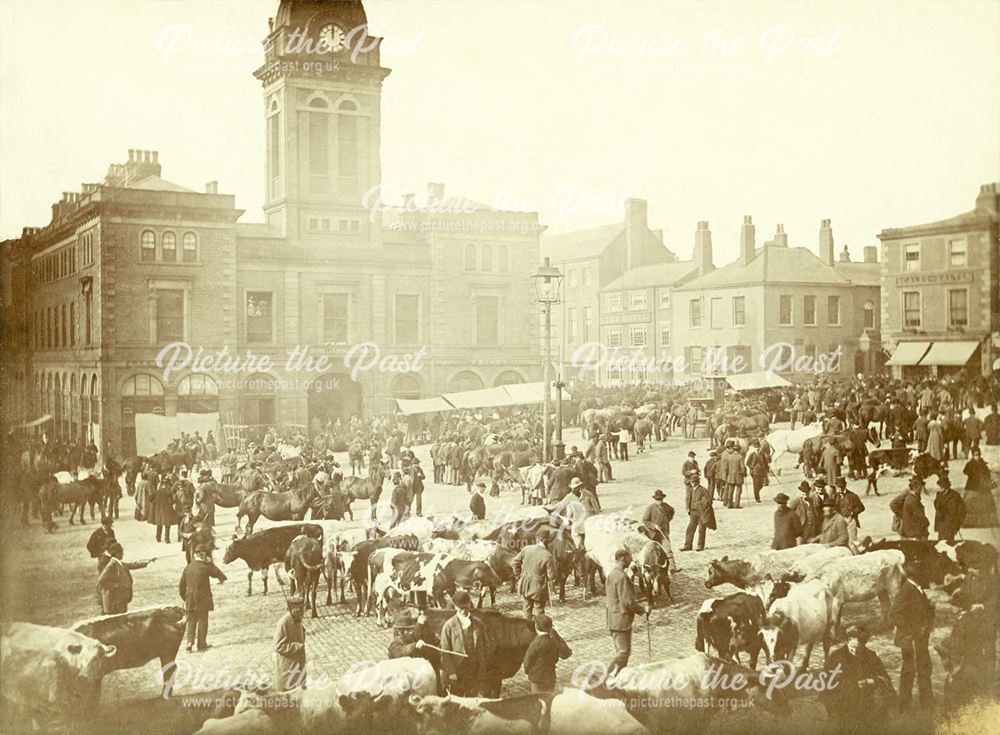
(322, 83)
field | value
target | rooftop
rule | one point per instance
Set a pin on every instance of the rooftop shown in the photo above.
(155, 183)
(648, 276)
(581, 243)
(773, 264)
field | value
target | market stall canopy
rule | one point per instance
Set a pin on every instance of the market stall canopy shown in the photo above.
(532, 392)
(757, 381)
(909, 353)
(949, 353)
(410, 406)
(482, 398)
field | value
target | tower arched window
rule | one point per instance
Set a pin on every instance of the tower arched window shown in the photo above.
(470, 257)
(148, 246)
(319, 141)
(347, 147)
(168, 246)
(503, 259)
(190, 247)
(487, 257)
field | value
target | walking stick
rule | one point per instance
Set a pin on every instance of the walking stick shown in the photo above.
(649, 641)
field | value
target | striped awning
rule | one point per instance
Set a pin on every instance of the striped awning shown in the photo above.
(909, 353)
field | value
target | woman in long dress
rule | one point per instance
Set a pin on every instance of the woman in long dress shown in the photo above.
(935, 438)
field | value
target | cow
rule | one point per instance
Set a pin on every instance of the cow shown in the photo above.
(138, 637)
(354, 563)
(499, 558)
(473, 576)
(51, 676)
(731, 625)
(571, 712)
(745, 573)
(304, 561)
(649, 692)
(649, 560)
(262, 549)
(402, 573)
(877, 574)
(968, 655)
(804, 615)
(929, 562)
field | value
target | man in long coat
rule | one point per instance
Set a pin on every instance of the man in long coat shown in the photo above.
(290, 648)
(910, 509)
(623, 606)
(161, 510)
(466, 649)
(536, 569)
(912, 614)
(802, 505)
(114, 583)
(701, 515)
(787, 527)
(949, 511)
(196, 591)
(831, 462)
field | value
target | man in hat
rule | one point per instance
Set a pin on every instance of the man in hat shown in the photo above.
(949, 510)
(863, 688)
(912, 614)
(410, 633)
(400, 499)
(787, 526)
(757, 468)
(100, 540)
(849, 505)
(908, 507)
(658, 514)
(701, 515)
(416, 472)
(477, 503)
(802, 506)
(731, 470)
(290, 648)
(713, 487)
(196, 591)
(543, 654)
(689, 466)
(204, 497)
(114, 583)
(833, 532)
(623, 606)
(536, 570)
(831, 462)
(466, 649)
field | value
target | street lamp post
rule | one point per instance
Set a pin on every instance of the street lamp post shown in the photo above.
(548, 279)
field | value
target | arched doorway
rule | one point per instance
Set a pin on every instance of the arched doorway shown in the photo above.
(463, 381)
(331, 397)
(405, 387)
(197, 393)
(508, 377)
(140, 394)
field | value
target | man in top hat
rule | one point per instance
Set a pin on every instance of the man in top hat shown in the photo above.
(833, 532)
(417, 483)
(849, 505)
(196, 591)
(536, 570)
(909, 509)
(290, 648)
(658, 514)
(701, 515)
(466, 650)
(803, 507)
(543, 654)
(787, 526)
(912, 614)
(756, 467)
(949, 510)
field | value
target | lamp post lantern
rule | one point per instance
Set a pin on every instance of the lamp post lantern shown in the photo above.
(548, 279)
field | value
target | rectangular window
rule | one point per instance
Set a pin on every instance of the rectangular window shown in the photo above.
(88, 316)
(911, 257)
(911, 310)
(407, 319)
(692, 359)
(695, 313)
(637, 336)
(169, 315)
(335, 318)
(614, 372)
(64, 331)
(664, 299)
(869, 316)
(570, 326)
(833, 311)
(487, 321)
(958, 307)
(348, 150)
(319, 147)
(586, 276)
(785, 310)
(571, 278)
(637, 300)
(72, 324)
(260, 323)
(664, 336)
(274, 133)
(739, 311)
(614, 302)
(958, 256)
(738, 359)
(637, 373)
(809, 311)
(614, 337)
(588, 322)
(715, 311)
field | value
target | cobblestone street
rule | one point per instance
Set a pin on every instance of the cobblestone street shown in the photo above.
(56, 579)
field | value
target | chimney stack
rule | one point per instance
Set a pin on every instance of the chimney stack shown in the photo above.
(748, 247)
(212, 187)
(988, 198)
(635, 229)
(435, 193)
(871, 254)
(780, 237)
(845, 255)
(703, 249)
(826, 242)
(409, 202)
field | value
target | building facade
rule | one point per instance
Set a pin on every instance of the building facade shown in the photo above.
(778, 308)
(336, 305)
(941, 292)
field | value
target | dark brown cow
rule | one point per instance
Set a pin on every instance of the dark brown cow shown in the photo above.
(304, 560)
(264, 548)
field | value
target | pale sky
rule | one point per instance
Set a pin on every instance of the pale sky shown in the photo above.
(872, 114)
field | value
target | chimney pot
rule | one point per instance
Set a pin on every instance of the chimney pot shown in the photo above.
(826, 246)
(212, 187)
(156, 156)
(748, 246)
(131, 155)
(435, 192)
(703, 248)
(871, 254)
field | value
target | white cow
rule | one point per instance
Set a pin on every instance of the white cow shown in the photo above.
(422, 528)
(876, 574)
(804, 616)
(395, 676)
(50, 674)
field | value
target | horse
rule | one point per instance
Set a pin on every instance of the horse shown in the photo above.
(643, 430)
(785, 440)
(223, 495)
(356, 455)
(254, 480)
(166, 461)
(77, 493)
(288, 506)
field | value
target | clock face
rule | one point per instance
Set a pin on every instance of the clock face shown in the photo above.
(331, 37)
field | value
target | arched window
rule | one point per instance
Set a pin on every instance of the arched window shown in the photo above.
(168, 246)
(405, 386)
(465, 380)
(95, 401)
(508, 377)
(190, 247)
(148, 246)
(503, 259)
(348, 106)
(470, 257)
(197, 393)
(318, 103)
(319, 140)
(869, 315)
(142, 385)
(487, 257)
(85, 401)
(347, 136)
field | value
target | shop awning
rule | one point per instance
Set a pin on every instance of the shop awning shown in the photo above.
(482, 398)
(909, 353)
(410, 406)
(756, 381)
(949, 353)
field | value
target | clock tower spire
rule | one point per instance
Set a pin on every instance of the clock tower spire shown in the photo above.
(322, 83)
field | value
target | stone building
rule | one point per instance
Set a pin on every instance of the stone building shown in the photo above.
(941, 292)
(777, 307)
(336, 305)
